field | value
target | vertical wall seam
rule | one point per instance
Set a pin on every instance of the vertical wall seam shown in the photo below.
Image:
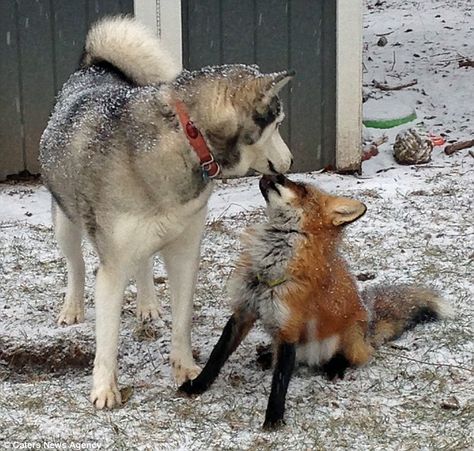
(255, 22)
(221, 35)
(85, 29)
(185, 33)
(158, 17)
(52, 21)
(20, 84)
(290, 94)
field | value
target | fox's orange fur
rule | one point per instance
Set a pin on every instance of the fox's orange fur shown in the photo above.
(321, 287)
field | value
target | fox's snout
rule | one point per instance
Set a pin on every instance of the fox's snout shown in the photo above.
(269, 182)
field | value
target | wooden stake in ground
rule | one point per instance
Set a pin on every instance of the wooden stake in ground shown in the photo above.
(452, 148)
(385, 87)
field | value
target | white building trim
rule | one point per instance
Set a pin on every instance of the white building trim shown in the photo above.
(349, 84)
(163, 17)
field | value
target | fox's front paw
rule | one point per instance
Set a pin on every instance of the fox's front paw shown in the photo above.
(193, 387)
(273, 424)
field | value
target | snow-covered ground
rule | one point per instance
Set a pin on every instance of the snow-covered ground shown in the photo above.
(416, 394)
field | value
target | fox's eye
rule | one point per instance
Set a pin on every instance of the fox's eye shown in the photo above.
(302, 189)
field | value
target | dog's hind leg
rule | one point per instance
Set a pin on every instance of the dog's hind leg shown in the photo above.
(110, 284)
(148, 306)
(181, 258)
(69, 237)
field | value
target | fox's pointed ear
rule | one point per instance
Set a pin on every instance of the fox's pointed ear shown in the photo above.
(344, 210)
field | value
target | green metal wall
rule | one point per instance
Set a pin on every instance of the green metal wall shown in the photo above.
(40, 46)
(41, 42)
(276, 34)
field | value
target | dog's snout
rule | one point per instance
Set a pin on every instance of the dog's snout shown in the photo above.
(280, 170)
(271, 166)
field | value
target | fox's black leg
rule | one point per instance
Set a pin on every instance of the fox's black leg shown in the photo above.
(234, 332)
(284, 366)
(336, 367)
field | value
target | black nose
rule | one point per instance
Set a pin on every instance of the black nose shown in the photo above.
(268, 180)
(265, 184)
(280, 179)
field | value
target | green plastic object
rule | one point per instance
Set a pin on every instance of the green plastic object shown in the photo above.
(389, 123)
(387, 113)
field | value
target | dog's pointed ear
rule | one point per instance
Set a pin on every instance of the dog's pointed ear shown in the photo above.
(266, 86)
(276, 81)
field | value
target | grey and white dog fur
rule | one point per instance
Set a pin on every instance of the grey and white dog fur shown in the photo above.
(120, 170)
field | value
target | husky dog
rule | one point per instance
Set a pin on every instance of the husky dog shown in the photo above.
(129, 155)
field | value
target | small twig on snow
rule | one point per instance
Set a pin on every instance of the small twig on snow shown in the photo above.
(385, 170)
(385, 87)
(449, 150)
(383, 139)
(394, 61)
(384, 34)
(466, 63)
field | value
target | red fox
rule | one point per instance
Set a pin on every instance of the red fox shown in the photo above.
(291, 276)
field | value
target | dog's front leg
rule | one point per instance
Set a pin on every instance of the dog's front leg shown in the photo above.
(148, 307)
(181, 258)
(285, 363)
(110, 285)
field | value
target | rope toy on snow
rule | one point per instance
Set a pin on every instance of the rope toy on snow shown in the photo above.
(411, 148)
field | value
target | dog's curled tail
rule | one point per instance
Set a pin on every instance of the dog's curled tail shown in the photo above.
(130, 47)
(394, 309)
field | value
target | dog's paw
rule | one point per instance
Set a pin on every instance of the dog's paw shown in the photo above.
(71, 313)
(273, 424)
(149, 311)
(183, 373)
(106, 397)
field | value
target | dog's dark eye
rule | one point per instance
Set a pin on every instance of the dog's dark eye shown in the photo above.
(269, 116)
(263, 120)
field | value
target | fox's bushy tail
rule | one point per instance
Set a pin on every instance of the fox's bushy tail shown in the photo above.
(393, 309)
(130, 47)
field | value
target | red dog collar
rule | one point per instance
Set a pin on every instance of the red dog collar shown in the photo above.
(209, 166)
